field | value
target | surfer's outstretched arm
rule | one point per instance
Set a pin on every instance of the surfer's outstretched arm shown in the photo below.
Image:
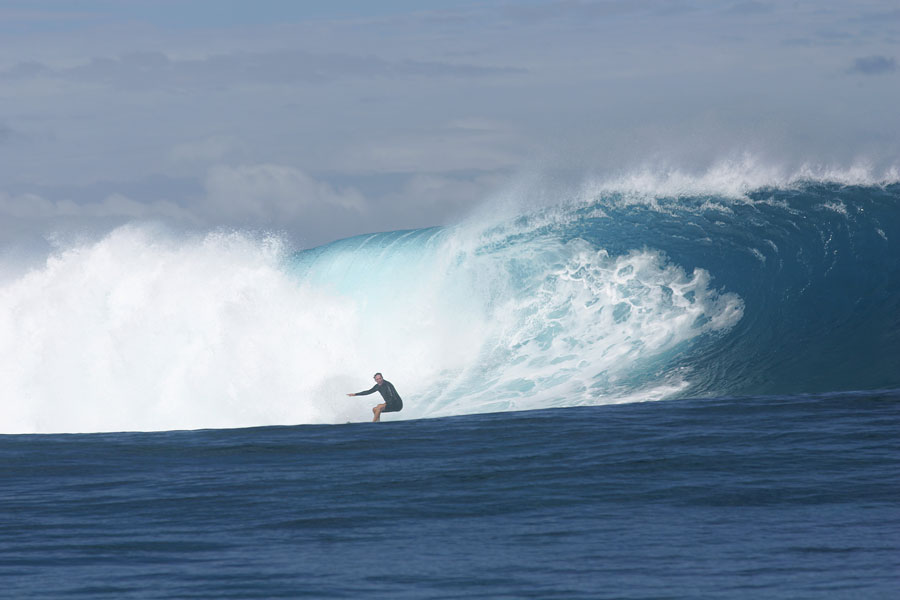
(365, 393)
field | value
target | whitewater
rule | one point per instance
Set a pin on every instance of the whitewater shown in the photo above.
(640, 288)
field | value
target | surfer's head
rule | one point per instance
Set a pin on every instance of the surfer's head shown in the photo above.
(378, 378)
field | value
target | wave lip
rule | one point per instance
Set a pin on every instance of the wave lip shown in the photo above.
(734, 179)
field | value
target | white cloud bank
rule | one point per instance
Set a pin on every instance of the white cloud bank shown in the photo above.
(272, 193)
(391, 117)
(275, 197)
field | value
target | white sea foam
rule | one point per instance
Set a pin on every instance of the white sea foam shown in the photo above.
(732, 179)
(141, 331)
(838, 207)
(146, 331)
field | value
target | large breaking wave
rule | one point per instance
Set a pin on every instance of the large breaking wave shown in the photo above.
(615, 294)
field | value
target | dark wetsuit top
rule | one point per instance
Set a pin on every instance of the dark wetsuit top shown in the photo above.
(389, 393)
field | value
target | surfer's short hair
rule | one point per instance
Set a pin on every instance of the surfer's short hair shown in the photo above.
(377, 375)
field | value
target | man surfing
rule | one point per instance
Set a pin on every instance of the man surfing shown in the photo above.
(392, 401)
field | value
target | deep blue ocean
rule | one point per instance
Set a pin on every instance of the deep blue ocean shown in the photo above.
(623, 395)
(753, 497)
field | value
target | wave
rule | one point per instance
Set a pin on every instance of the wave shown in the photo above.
(619, 293)
(737, 179)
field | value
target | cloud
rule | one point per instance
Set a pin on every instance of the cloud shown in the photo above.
(25, 70)
(426, 200)
(33, 207)
(461, 144)
(330, 125)
(209, 149)
(873, 65)
(255, 196)
(25, 17)
(750, 8)
(880, 17)
(269, 194)
(582, 10)
(144, 70)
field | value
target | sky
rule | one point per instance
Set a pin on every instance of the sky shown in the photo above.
(322, 120)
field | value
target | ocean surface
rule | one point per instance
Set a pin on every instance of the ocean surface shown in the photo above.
(753, 497)
(636, 391)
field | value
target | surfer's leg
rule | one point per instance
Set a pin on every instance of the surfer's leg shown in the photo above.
(377, 412)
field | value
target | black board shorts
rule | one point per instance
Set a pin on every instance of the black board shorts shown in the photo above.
(393, 406)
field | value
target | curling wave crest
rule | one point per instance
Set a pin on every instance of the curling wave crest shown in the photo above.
(145, 331)
(608, 296)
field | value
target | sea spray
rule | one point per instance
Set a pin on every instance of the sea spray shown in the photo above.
(599, 299)
(143, 331)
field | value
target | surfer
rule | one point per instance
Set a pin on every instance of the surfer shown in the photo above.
(392, 401)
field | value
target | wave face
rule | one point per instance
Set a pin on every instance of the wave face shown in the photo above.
(616, 296)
